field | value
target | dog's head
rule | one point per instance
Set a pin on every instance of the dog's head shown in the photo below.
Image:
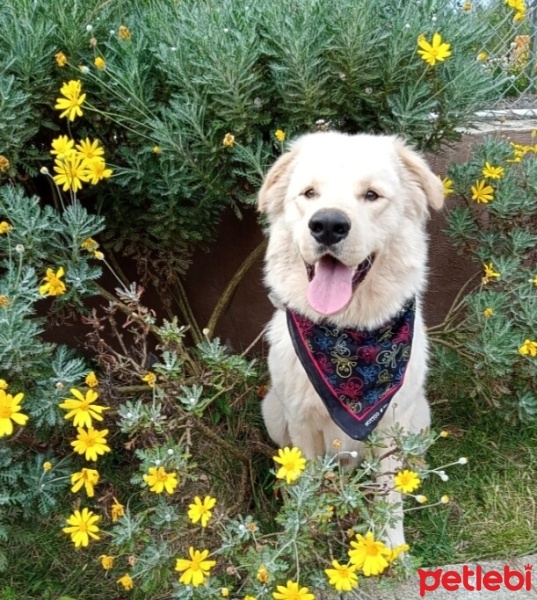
(340, 204)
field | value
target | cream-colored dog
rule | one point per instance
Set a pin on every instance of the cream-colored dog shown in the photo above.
(347, 251)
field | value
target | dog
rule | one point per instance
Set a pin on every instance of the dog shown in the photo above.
(346, 268)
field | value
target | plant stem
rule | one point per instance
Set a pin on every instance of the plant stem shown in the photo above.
(226, 296)
(184, 306)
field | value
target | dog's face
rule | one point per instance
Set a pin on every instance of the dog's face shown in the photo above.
(340, 202)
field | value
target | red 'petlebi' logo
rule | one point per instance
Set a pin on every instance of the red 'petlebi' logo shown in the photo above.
(475, 580)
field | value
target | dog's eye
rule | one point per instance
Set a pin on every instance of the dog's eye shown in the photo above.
(371, 195)
(309, 193)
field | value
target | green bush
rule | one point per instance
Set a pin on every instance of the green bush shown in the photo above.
(488, 336)
(187, 73)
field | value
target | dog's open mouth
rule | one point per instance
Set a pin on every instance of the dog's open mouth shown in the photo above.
(332, 283)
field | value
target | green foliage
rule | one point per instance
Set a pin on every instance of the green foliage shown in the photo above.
(190, 72)
(493, 327)
(39, 238)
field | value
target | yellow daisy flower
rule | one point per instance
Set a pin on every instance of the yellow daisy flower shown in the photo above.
(292, 464)
(72, 101)
(61, 59)
(488, 312)
(448, 186)
(150, 378)
(71, 172)
(62, 146)
(291, 591)
(89, 244)
(262, 575)
(88, 149)
(96, 170)
(126, 581)
(82, 527)
(53, 286)
(5, 227)
(10, 412)
(229, 140)
(82, 408)
(342, 577)
(158, 480)
(395, 552)
(107, 562)
(47, 466)
(117, 510)
(100, 63)
(436, 51)
(87, 478)
(490, 273)
(406, 481)
(279, 135)
(491, 172)
(195, 570)
(201, 511)
(528, 348)
(369, 555)
(91, 380)
(482, 193)
(91, 443)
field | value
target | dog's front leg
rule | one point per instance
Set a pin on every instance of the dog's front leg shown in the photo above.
(393, 533)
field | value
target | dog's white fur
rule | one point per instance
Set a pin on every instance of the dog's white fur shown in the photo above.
(341, 169)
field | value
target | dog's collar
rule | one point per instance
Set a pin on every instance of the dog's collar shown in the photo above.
(355, 372)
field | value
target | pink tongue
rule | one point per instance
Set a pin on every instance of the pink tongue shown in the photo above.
(330, 290)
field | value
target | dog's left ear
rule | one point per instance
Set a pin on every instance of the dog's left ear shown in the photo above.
(421, 175)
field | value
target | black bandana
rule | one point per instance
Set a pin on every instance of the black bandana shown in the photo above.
(356, 373)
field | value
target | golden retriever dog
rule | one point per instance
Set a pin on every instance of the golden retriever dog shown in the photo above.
(346, 268)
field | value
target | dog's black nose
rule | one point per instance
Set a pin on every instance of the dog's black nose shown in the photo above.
(329, 227)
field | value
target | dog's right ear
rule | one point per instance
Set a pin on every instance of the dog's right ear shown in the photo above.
(274, 188)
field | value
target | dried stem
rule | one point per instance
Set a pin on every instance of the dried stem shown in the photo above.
(233, 283)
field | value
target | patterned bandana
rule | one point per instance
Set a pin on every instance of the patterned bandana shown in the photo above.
(355, 372)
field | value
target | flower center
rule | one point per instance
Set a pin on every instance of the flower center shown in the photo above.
(5, 412)
(371, 549)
